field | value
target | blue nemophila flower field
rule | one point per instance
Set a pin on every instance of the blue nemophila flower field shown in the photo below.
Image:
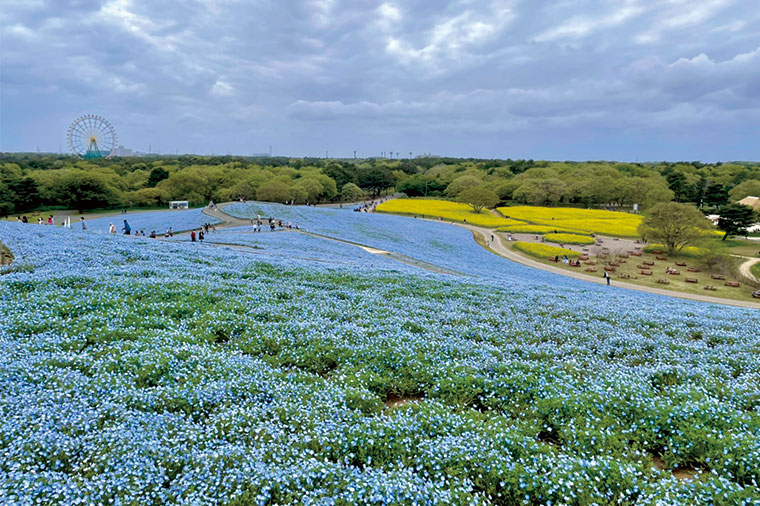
(259, 369)
(178, 220)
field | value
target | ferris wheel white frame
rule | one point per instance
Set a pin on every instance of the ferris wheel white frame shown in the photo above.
(92, 130)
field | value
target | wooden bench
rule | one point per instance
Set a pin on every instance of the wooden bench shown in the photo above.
(663, 281)
(656, 252)
(681, 264)
(589, 262)
(691, 280)
(658, 257)
(636, 253)
(614, 264)
(646, 272)
(694, 269)
(711, 288)
(609, 268)
(642, 266)
(718, 276)
(590, 269)
(732, 284)
(647, 262)
(674, 272)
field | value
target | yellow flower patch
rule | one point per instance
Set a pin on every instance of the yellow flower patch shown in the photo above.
(588, 221)
(569, 238)
(541, 250)
(451, 211)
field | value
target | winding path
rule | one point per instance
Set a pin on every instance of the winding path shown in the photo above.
(231, 221)
(746, 267)
(499, 248)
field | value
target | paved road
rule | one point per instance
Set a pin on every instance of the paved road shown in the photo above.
(227, 219)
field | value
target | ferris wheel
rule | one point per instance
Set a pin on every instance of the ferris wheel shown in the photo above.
(91, 136)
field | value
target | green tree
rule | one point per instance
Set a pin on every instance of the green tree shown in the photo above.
(26, 195)
(749, 188)
(329, 188)
(478, 197)
(678, 183)
(375, 179)
(541, 191)
(6, 201)
(716, 195)
(351, 192)
(735, 218)
(341, 174)
(274, 191)
(148, 197)
(311, 187)
(414, 186)
(673, 224)
(186, 185)
(157, 174)
(82, 191)
(462, 183)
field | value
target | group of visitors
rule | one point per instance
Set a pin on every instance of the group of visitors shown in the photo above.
(368, 207)
(272, 223)
(66, 223)
(127, 230)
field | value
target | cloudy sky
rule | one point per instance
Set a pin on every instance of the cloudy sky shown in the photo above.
(542, 79)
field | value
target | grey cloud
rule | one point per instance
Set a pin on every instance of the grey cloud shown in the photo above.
(431, 75)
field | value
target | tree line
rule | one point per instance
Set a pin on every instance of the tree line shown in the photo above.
(30, 182)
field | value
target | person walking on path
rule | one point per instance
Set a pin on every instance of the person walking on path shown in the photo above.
(192, 236)
(126, 228)
(607, 277)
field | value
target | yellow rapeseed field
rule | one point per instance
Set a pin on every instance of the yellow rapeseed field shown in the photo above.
(589, 221)
(452, 211)
(530, 228)
(569, 238)
(540, 250)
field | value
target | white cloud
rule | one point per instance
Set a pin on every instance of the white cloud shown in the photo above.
(453, 37)
(683, 14)
(222, 88)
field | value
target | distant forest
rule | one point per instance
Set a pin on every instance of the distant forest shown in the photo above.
(30, 182)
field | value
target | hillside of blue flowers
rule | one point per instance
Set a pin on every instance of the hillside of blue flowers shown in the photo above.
(273, 368)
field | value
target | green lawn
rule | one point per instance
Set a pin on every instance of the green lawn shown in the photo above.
(628, 272)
